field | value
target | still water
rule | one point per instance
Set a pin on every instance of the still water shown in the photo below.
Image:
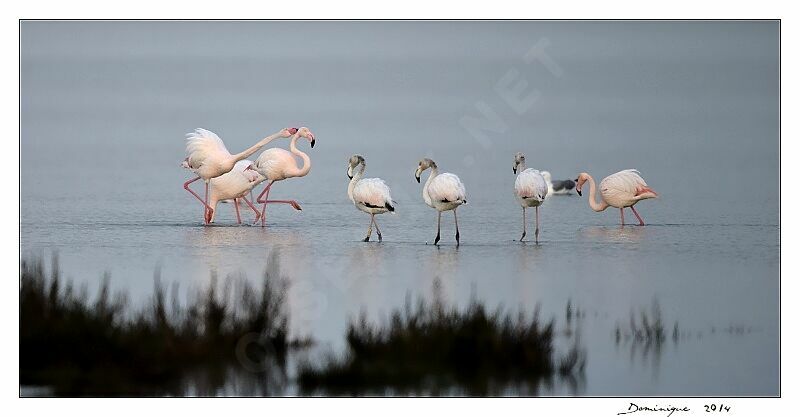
(693, 106)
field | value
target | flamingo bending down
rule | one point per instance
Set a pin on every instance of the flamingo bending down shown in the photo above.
(208, 158)
(277, 164)
(234, 185)
(531, 189)
(620, 190)
(443, 192)
(370, 195)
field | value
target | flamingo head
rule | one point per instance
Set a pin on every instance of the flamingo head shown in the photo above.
(354, 162)
(582, 178)
(423, 165)
(303, 132)
(288, 131)
(519, 159)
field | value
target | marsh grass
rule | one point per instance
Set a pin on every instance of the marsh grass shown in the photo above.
(82, 346)
(645, 327)
(433, 347)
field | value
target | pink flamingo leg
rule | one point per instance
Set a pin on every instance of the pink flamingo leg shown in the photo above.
(236, 205)
(205, 202)
(255, 210)
(264, 194)
(621, 217)
(292, 202)
(262, 198)
(641, 222)
(209, 211)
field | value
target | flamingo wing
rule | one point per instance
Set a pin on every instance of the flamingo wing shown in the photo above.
(235, 183)
(622, 186)
(273, 163)
(531, 184)
(447, 187)
(203, 145)
(373, 193)
(251, 175)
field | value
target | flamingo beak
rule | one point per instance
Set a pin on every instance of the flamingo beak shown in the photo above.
(515, 169)
(313, 141)
(578, 190)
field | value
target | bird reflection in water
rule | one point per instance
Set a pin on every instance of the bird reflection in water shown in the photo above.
(613, 234)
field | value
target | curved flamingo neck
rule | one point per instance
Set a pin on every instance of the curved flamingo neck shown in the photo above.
(425, 196)
(253, 149)
(353, 181)
(300, 172)
(602, 205)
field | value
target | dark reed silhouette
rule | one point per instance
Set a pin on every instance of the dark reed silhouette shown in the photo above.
(78, 346)
(435, 349)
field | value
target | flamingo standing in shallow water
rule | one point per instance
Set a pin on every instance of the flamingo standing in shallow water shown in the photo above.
(370, 195)
(620, 190)
(208, 158)
(531, 189)
(443, 192)
(235, 185)
(277, 164)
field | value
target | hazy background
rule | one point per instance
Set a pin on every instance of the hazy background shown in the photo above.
(692, 105)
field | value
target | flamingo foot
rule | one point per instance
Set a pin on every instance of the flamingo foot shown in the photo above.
(458, 242)
(209, 214)
(366, 239)
(380, 238)
(295, 205)
(523, 236)
(436, 241)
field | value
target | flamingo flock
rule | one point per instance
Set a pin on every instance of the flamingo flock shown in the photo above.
(232, 177)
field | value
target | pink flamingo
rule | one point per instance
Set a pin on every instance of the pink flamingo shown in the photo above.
(209, 158)
(235, 185)
(277, 164)
(620, 190)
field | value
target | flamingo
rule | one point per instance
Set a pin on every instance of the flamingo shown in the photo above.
(370, 195)
(531, 189)
(443, 192)
(620, 190)
(209, 158)
(234, 185)
(277, 164)
(558, 186)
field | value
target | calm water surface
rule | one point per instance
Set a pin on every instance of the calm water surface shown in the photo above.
(693, 106)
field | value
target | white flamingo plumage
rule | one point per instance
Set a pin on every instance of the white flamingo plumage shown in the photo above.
(442, 192)
(208, 158)
(235, 185)
(531, 189)
(370, 195)
(620, 190)
(277, 164)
